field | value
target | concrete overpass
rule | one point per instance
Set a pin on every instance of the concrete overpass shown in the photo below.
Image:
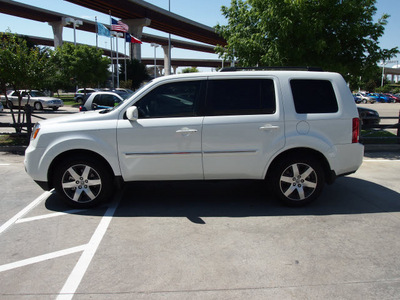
(135, 13)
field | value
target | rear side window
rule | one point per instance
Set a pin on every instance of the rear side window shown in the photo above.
(313, 96)
(240, 97)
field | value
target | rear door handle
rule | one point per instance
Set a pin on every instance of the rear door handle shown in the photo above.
(186, 130)
(269, 127)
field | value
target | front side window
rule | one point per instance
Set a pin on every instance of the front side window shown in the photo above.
(177, 99)
(241, 97)
(313, 96)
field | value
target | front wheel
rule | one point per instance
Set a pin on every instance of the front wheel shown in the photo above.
(83, 182)
(298, 181)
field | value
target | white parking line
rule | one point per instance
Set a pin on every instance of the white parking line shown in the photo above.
(41, 258)
(52, 215)
(24, 211)
(75, 278)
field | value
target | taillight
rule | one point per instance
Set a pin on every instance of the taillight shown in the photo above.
(356, 131)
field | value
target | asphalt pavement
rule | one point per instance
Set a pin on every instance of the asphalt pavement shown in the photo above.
(203, 240)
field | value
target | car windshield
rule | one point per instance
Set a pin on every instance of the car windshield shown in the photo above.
(37, 94)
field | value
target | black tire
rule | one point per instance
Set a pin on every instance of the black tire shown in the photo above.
(298, 181)
(55, 108)
(80, 101)
(38, 106)
(9, 105)
(83, 182)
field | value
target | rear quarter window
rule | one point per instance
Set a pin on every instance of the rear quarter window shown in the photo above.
(313, 96)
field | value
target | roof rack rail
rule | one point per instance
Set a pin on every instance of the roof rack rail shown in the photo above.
(233, 69)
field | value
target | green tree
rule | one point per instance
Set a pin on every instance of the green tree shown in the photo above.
(21, 67)
(190, 70)
(81, 65)
(136, 71)
(337, 35)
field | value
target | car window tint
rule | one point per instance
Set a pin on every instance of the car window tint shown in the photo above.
(176, 99)
(313, 96)
(240, 97)
(97, 100)
(108, 100)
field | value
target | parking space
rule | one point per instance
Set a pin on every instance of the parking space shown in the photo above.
(204, 240)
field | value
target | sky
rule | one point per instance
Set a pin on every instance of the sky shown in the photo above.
(207, 12)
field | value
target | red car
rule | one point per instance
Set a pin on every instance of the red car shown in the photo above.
(393, 98)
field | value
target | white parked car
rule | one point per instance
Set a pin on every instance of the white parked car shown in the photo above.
(38, 100)
(104, 100)
(295, 130)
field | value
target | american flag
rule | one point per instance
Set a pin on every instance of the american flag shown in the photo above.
(118, 26)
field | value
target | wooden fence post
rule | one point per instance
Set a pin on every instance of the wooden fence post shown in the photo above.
(398, 129)
(28, 112)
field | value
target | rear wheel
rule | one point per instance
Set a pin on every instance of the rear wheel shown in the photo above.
(83, 182)
(38, 106)
(298, 181)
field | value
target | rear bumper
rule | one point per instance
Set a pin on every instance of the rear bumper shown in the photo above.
(347, 159)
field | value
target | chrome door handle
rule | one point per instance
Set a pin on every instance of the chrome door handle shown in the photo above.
(268, 127)
(186, 130)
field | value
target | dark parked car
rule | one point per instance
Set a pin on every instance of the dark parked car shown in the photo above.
(80, 96)
(368, 117)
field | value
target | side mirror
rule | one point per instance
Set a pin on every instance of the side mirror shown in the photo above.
(132, 113)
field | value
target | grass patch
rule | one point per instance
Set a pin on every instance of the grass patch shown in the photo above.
(67, 99)
(14, 139)
(372, 136)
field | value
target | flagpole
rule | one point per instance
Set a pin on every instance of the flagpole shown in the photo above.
(126, 77)
(112, 63)
(116, 47)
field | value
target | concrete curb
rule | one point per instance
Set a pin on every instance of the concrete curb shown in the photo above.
(382, 148)
(13, 149)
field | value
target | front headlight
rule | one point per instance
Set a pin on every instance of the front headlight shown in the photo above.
(35, 131)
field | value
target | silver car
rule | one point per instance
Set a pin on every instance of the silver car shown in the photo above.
(35, 98)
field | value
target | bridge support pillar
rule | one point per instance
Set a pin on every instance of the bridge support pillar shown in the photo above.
(136, 29)
(57, 31)
(167, 59)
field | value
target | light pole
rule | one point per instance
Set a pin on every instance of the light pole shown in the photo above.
(169, 42)
(155, 58)
(76, 23)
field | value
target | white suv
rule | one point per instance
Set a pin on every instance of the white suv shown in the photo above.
(296, 130)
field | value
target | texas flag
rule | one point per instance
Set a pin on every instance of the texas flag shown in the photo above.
(131, 39)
